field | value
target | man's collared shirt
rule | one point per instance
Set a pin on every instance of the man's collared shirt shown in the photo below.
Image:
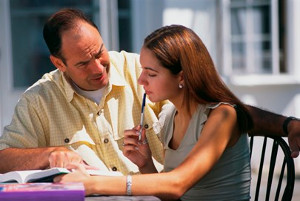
(51, 113)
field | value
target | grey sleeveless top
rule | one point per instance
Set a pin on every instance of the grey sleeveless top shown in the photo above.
(229, 179)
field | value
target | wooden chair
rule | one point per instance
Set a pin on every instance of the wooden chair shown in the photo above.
(268, 165)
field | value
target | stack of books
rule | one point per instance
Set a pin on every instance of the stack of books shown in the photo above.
(42, 192)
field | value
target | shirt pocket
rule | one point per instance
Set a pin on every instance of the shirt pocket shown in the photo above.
(76, 139)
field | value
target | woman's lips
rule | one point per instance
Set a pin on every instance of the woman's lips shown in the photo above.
(147, 92)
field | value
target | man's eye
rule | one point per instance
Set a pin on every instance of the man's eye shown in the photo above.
(151, 75)
(83, 65)
(98, 55)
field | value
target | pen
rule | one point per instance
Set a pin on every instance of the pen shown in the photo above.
(142, 116)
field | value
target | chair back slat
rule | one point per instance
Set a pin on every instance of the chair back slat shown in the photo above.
(271, 168)
(251, 145)
(261, 166)
(280, 179)
(286, 173)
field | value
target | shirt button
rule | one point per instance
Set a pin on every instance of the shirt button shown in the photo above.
(100, 112)
(114, 169)
(106, 140)
(67, 140)
(146, 126)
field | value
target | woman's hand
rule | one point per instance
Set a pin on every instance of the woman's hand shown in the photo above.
(138, 151)
(79, 175)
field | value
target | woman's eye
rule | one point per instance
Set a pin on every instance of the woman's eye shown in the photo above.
(151, 75)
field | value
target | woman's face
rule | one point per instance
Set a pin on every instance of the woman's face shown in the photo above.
(159, 83)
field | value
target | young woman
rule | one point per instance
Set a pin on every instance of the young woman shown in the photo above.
(205, 140)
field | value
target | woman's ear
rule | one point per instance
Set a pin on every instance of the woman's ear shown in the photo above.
(58, 63)
(181, 78)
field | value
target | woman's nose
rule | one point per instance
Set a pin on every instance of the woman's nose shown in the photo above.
(141, 79)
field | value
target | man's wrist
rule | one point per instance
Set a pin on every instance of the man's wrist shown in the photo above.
(286, 124)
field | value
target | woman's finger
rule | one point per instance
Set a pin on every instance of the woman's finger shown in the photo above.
(130, 141)
(143, 137)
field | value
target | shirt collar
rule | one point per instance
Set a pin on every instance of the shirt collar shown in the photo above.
(115, 77)
(67, 87)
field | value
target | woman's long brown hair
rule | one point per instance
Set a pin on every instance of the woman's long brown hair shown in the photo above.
(178, 49)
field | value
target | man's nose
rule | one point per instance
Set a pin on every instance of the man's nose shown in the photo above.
(98, 66)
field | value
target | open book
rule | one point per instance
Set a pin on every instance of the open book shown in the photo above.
(47, 175)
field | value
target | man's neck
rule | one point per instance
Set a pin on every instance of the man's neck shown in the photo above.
(95, 95)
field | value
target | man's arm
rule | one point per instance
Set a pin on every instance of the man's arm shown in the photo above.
(268, 123)
(12, 159)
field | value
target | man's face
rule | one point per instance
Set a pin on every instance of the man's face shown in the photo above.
(86, 58)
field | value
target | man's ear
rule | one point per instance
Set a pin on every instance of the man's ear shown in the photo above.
(58, 63)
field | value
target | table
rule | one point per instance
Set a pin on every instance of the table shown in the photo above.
(121, 198)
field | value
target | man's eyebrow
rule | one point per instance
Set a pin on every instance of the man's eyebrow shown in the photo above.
(100, 50)
(87, 61)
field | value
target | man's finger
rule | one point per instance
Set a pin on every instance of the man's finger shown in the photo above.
(295, 154)
(294, 148)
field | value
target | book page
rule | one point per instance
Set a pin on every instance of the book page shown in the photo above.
(45, 175)
(32, 175)
(29, 176)
(16, 176)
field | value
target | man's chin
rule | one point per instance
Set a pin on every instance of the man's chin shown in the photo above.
(99, 86)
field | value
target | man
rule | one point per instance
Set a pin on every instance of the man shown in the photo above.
(78, 112)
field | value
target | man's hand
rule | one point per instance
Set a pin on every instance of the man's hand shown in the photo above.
(294, 137)
(62, 157)
(268, 123)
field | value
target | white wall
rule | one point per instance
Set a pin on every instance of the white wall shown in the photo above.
(8, 95)
(199, 15)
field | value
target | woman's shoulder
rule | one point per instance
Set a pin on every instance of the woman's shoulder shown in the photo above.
(226, 109)
(224, 113)
(206, 109)
(223, 107)
(220, 104)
